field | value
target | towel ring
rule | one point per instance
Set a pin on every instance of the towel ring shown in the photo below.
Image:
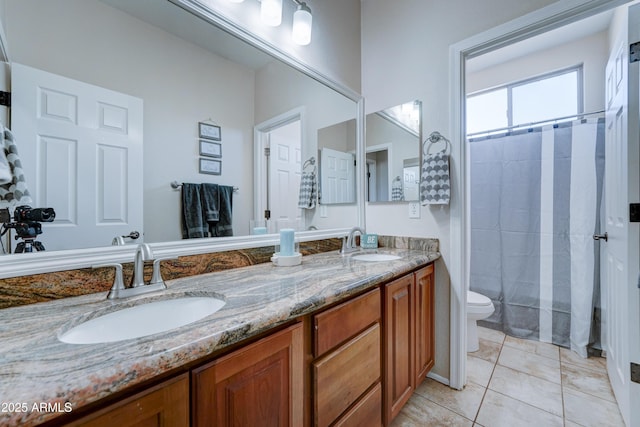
(433, 139)
(310, 162)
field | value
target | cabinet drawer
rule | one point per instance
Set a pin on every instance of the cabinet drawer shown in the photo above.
(366, 413)
(342, 322)
(342, 376)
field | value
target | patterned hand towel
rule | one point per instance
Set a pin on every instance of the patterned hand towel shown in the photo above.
(14, 192)
(308, 190)
(435, 186)
(397, 193)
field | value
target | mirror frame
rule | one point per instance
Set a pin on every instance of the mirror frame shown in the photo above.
(44, 262)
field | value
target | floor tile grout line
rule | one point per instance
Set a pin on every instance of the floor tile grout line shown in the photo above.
(475, 420)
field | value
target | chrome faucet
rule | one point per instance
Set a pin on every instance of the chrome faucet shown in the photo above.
(138, 285)
(348, 242)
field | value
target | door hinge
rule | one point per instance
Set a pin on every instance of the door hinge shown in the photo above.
(635, 372)
(5, 99)
(267, 151)
(634, 212)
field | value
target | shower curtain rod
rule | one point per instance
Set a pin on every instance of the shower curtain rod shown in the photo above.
(528, 125)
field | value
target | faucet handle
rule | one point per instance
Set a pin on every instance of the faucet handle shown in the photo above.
(118, 283)
(156, 277)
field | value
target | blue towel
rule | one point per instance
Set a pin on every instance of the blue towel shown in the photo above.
(223, 227)
(193, 225)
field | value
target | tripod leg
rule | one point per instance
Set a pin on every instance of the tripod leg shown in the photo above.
(39, 246)
(19, 248)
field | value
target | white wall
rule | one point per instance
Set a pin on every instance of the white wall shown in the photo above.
(591, 52)
(179, 83)
(405, 55)
(335, 40)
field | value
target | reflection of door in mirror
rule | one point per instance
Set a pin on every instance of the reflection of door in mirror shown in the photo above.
(337, 177)
(411, 179)
(81, 150)
(285, 166)
(378, 184)
(392, 139)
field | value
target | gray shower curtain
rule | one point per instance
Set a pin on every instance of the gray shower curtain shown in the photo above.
(535, 205)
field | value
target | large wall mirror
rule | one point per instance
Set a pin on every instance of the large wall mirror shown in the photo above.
(186, 73)
(393, 138)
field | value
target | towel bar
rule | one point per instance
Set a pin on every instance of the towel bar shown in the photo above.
(176, 186)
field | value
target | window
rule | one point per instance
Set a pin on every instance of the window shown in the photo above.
(538, 100)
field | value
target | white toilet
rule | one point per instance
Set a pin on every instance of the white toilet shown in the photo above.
(478, 307)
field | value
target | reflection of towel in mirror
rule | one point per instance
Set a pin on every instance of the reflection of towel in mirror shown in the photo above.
(397, 193)
(13, 188)
(193, 225)
(308, 190)
(210, 202)
(223, 227)
(435, 187)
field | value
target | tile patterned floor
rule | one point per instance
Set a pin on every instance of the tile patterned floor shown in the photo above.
(513, 382)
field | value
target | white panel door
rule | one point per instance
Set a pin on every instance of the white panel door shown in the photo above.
(337, 181)
(620, 254)
(81, 147)
(285, 166)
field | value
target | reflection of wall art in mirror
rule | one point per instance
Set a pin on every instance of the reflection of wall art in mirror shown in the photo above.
(210, 149)
(209, 131)
(211, 167)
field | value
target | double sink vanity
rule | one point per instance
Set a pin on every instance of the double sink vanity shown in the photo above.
(338, 340)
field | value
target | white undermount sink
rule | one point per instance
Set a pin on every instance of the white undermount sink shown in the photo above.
(142, 320)
(375, 257)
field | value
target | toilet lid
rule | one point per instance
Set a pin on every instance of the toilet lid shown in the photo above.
(474, 298)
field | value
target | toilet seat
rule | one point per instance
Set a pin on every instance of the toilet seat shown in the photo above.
(476, 299)
(478, 306)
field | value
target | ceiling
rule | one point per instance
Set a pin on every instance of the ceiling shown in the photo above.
(562, 35)
(183, 24)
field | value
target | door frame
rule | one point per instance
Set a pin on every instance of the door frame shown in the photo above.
(547, 18)
(260, 142)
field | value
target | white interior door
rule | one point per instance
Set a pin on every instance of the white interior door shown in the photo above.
(620, 254)
(337, 180)
(285, 166)
(81, 148)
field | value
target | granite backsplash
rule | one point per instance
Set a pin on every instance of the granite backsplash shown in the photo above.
(23, 290)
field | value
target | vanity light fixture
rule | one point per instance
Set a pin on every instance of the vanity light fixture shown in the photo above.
(302, 20)
(271, 14)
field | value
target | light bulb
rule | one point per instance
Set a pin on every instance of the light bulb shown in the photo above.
(271, 12)
(302, 21)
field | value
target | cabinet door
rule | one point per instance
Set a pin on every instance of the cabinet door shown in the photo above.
(424, 322)
(399, 345)
(166, 404)
(259, 385)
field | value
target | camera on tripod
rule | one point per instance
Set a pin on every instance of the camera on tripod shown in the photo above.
(26, 223)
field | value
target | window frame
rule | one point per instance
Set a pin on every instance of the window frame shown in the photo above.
(578, 69)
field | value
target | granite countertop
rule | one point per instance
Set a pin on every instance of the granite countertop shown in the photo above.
(36, 368)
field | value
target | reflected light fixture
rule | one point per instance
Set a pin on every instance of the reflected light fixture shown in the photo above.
(302, 20)
(271, 14)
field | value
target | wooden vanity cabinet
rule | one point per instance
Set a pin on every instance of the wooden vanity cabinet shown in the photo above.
(166, 404)
(258, 385)
(346, 371)
(424, 322)
(408, 337)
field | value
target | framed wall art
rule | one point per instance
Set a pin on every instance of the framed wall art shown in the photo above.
(210, 149)
(210, 166)
(209, 131)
